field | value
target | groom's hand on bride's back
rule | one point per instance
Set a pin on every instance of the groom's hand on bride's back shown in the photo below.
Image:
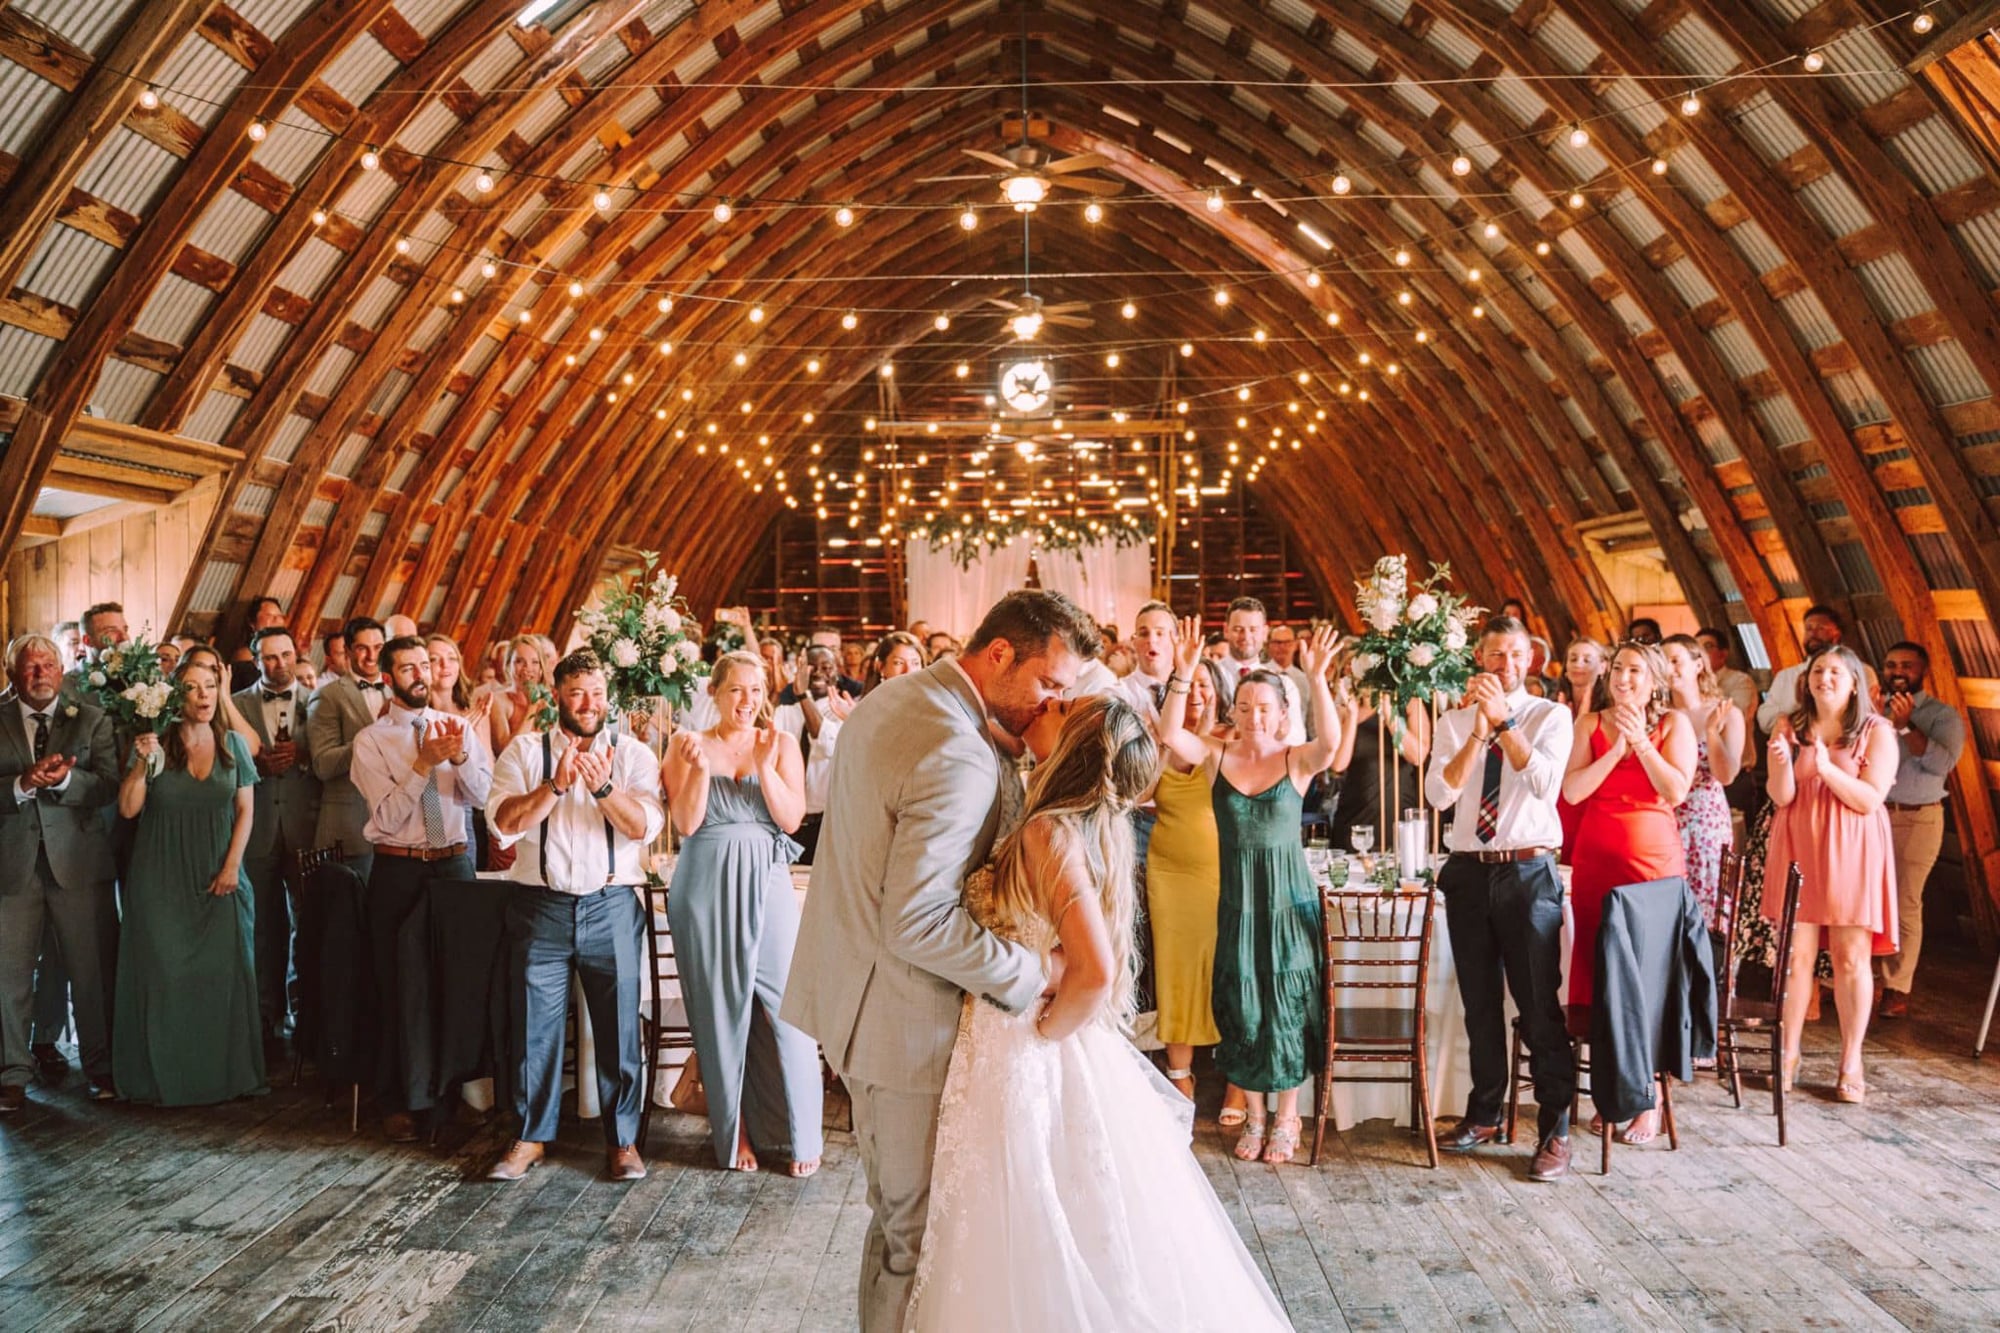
(1055, 971)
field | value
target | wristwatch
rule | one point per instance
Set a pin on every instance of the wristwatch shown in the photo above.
(1508, 725)
(602, 792)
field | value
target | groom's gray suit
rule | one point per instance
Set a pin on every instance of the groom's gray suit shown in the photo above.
(886, 950)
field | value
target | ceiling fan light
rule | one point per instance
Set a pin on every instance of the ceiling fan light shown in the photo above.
(1024, 192)
(1026, 325)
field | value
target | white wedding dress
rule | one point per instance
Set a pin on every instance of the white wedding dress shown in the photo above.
(1064, 1195)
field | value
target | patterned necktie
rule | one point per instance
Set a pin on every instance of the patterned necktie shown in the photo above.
(41, 737)
(433, 802)
(1489, 795)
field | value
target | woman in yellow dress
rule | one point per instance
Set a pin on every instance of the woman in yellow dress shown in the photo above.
(1183, 886)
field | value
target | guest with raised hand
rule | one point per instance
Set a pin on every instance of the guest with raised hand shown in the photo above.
(1832, 762)
(232, 716)
(452, 695)
(736, 793)
(1719, 726)
(187, 1030)
(1268, 996)
(1629, 766)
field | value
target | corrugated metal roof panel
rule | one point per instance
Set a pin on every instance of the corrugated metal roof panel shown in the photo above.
(1580, 253)
(360, 69)
(1981, 239)
(601, 60)
(1781, 421)
(318, 514)
(1867, 71)
(1413, 96)
(334, 363)
(1949, 373)
(367, 194)
(545, 111)
(68, 266)
(1699, 49)
(1454, 45)
(293, 145)
(1696, 178)
(211, 417)
(1893, 287)
(310, 266)
(1639, 108)
(285, 441)
(22, 357)
(1571, 46)
(1715, 440)
(256, 500)
(198, 79)
(1769, 127)
(122, 390)
(90, 24)
(1689, 282)
(174, 310)
(53, 502)
(429, 16)
(231, 226)
(377, 522)
(1738, 350)
(494, 64)
(274, 18)
(439, 413)
(1523, 103)
(1810, 321)
(32, 103)
(1856, 399)
(1834, 205)
(347, 458)
(260, 342)
(664, 14)
(1755, 244)
(213, 589)
(427, 128)
(1936, 155)
(128, 172)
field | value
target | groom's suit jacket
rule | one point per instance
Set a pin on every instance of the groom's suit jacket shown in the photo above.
(886, 949)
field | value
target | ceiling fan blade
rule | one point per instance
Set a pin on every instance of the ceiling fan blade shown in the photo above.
(994, 158)
(1087, 185)
(1002, 303)
(929, 179)
(1065, 307)
(1080, 162)
(1069, 321)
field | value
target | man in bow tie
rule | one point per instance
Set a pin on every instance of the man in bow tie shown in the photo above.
(339, 712)
(286, 817)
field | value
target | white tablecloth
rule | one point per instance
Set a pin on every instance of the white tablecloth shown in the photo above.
(1444, 1017)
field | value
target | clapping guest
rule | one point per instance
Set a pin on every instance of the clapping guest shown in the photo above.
(1832, 762)
(1269, 1003)
(513, 711)
(578, 809)
(736, 792)
(453, 696)
(896, 654)
(285, 818)
(1930, 736)
(1581, 690)
(1718, 727)
(336, 715)
(1629, 766)
(419, 771)
(813, 721)
(187, 1026)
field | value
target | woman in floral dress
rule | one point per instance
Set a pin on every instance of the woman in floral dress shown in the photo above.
(1718, 727)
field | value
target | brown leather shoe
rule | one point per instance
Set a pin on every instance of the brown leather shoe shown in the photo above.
(399, 1127)
(624, 1163)
(1895, 1004)
(1469, 1136)
(515, 1162)
(1551, 1159)
(13, 1097)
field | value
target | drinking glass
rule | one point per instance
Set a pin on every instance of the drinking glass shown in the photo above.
(1362, 836)
(1317, 855)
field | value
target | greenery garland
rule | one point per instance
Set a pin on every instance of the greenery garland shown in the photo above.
(968, 536)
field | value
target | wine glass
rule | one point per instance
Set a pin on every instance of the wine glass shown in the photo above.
(1317, 856)
(1362, 838)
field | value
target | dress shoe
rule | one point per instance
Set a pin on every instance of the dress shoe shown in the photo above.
(517, 1160)
(50, 1062)
(1895, 1004)
(624, 1163)
(13, 1096)
(400, 1127)
(1551, 1159)
(1469, 1136)
(101, 1092)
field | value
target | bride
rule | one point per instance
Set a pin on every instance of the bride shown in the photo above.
(1064, 1194)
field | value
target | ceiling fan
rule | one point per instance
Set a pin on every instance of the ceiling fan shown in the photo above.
(1028, 314)
(1029, 175)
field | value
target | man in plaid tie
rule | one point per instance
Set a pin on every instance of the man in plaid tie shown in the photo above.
(1497, 766)
(421, 773)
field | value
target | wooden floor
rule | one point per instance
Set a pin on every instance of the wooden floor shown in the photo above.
(266, 1213)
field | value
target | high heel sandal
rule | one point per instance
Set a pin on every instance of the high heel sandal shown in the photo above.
(1852, 1091)
(1229, 1117)
(1791, 1071)
(1284, 1141)
(1250, 1144)
(1177, 1077)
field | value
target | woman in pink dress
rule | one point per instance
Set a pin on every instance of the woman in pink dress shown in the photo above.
(1832, 762)
(1630, 764)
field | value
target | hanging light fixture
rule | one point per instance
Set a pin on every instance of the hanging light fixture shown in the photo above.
(723, 210)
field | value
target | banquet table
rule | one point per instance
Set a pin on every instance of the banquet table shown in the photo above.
(1444, 1016)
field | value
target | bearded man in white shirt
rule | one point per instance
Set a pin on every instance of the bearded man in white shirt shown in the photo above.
(583, 808)
(1498, 764)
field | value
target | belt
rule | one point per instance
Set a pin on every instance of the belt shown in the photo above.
(421, 853)
(1508, 855)
(1927, 805)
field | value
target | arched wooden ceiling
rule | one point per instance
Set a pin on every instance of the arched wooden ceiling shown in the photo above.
(1781, 353)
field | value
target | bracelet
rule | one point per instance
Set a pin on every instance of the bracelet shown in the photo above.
(557, 792)
(601, 792)
(1182, 688)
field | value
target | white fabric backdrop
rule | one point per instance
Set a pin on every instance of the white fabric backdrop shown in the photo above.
(954, 599)
(1111, 582)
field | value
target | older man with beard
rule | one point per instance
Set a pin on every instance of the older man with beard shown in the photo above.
(419, 772)
(580, 808)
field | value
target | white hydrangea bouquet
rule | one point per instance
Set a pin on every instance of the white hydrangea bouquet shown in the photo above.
(132, 687)
(645, 636)
(1418, 644)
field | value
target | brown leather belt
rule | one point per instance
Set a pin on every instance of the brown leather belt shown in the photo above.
(1508, 855)
(1927, 805)
(421, 853)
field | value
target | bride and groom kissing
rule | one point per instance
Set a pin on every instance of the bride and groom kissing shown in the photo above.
(1027, 1167)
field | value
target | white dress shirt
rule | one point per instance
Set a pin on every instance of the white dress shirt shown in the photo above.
(384, 771)
(791, 718)
(286, 711)
(23, 793)
(1138, 690)
(1093, 677)
(575, 830)
(1783, 696)
(1527, 816)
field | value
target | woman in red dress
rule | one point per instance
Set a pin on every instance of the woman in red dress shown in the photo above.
(1832, 762)
(1630, 764)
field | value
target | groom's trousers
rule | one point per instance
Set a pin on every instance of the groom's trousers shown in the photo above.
(896, 1131)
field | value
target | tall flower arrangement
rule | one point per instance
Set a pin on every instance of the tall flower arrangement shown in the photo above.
(644, 635)
(1419, 637)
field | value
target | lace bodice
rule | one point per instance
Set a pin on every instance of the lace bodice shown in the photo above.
(1035, 931)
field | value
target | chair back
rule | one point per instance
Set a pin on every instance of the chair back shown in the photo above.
(1788, 919)
(312, 858)
(1728, 907)
(1379, 941)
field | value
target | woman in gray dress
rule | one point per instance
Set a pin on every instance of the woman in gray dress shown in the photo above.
(736, 791)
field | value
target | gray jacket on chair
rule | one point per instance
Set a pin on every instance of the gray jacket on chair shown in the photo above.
(886, 949)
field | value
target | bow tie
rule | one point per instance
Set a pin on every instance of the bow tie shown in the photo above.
(371, 684)
(277, 696)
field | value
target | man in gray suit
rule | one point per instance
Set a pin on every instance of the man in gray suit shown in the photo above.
(341, 710)
(287, 815)
(58, 770)
(886, 950)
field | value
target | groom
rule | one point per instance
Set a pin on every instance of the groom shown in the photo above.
(886, 949)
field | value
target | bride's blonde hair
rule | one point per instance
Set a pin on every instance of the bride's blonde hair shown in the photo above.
(1104, 760)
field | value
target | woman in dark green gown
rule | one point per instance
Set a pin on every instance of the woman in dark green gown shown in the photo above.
(185, 1029)
(1268, 996)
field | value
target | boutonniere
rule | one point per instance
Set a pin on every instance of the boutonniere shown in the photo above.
(69, 710)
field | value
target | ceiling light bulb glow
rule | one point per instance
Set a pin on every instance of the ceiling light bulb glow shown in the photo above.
(723, 210)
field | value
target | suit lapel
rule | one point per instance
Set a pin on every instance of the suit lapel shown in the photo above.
(960, 689)
(250, 703)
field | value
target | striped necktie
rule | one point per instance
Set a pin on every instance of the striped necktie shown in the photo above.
(1489, 794)
(432, 801)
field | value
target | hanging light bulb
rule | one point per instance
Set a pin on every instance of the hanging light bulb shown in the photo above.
(1214, 201)
(741, 359)
(1341, 184)
(601, 201)
(849, 320)
(968, 217)
(1922, 24)
(1541, 247)
(1579, 137)
(489, 269)
(1333, 319)
(1691, 104)
(665, 304)
(1093, 212)
(402, 245)
(812, 366)
(1659, 166)
(964, 369)
(1128, 311)
(258, 129)
(1473, 275)
(148, 99)
(941, 323)
(1461, 165)
(1479, 312)
(1404, 298)
(483, 183)
(1575, 200)
(1111, 360)
(843, 216)
(666, 349)
(1402, 259)
(370, 159)
(575, 291)
(597, 335)
(457, 296)
(1813, 60)
(319, 217)
(1187, 349)
(1313, 278)
(756, 314)
(723, 210)
(1222, 296)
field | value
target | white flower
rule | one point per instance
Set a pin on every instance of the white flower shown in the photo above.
(70, 711)
(1454, 637)
(670, 662)
(688, 651)
(1422, 655)
(670, 620)
(1384, 615)
(97, 678)
(1422, 606)
(624, 654)
(1363, 664)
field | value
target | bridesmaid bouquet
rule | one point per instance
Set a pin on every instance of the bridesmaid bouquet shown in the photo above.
(644, 635)
(128, 683)
(1419, 639)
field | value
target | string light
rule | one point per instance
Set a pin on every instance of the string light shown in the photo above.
(258, 129)
(1222, 296)
(575, 291)
(843, 216)
(849, 320)
(1111, 360)
(1093, 212)
(1333, 319)
(964, 369)
(1691, 105)
(1813, 60)
(1492, 231)
(483, 183)
(812, 366)
(968, 217)
(723, 210)
(941, 323)
(1473, 275)
(1579, 137)
(1659, 166)
(756, 314)
(1575, 200)
(402, 245)
(665, 305)
(370, 159)
(1128, 311)
(1922, 24)
(1461, 165)
(149, 100)
(1215, 201)
(1341, 184)
(319, 217)
(601, 201)
(1402, 259)
(1541, 247)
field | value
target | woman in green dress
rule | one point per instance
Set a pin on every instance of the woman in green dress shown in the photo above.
(1268, 995)
(185, 1031)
